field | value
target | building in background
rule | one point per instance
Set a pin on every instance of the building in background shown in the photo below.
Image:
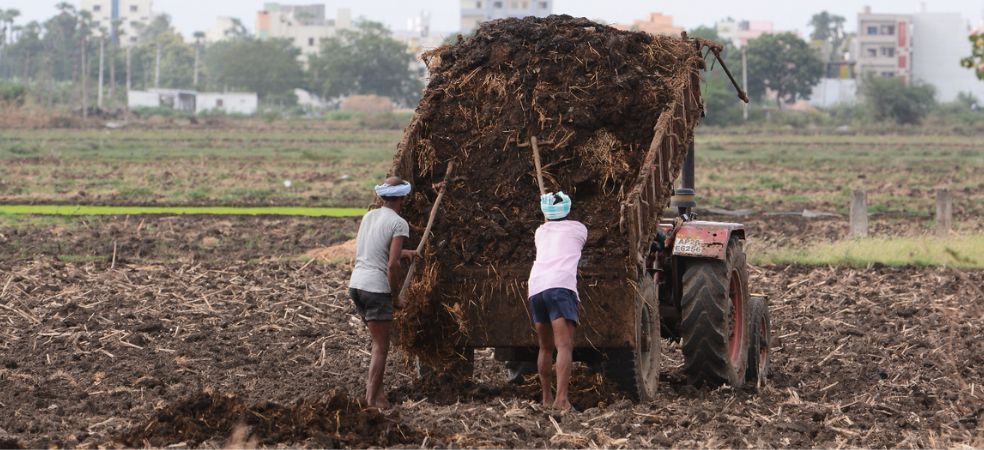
(419, 38)
(655, 23)
(131, 14)
(939, 41)
(224, 28)
(245, 103)
(304, 25)
(739, 32)
(474, 12)
(883, 45)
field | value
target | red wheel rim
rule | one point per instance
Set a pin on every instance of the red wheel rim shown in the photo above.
(737, 318)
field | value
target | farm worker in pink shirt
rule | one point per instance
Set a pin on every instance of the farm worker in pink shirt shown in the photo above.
(553, 293)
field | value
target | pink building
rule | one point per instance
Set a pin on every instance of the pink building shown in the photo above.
(655, 23)
(740, 32)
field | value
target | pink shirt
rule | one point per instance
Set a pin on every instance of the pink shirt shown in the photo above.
(558, 250)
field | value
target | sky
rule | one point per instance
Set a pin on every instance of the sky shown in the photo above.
(788, 15)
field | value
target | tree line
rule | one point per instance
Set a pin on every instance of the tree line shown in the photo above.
(59, 61)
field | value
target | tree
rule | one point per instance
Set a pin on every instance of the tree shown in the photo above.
(721, 103)
(268, 67)
(365, 61)
(827, 27)
(783, 64)
(177, 58)
(976, 59)
(892, 99)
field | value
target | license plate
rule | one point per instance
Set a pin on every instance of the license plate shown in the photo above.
(688, 246)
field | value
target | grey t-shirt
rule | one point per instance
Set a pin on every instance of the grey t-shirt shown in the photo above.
(376, 232)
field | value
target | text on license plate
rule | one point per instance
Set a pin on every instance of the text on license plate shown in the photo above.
(688, 246)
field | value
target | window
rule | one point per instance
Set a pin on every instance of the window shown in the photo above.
(310, 42)
(888, 51)
(544, 5)
(133, 39)
(97, 8)
(873, 52)
(219, 103)
(872, 31)
(888, 74)
(888, 30)
(497, 5)
(478, 5)
(133, 8)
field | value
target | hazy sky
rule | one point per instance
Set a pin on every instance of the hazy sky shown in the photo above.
(192, 15)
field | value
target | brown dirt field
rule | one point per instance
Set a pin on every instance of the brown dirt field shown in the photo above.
(160, 351)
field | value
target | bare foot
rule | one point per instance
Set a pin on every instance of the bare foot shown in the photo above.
(563, 405)
(548, 401)
(381, 402)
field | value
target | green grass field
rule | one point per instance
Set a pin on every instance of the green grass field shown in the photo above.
(89, 210)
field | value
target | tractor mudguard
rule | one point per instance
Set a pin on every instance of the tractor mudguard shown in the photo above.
(699, 239)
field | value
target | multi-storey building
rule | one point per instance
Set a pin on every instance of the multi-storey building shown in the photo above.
(883, 46)
(739, 32)
(474, 12)
(654, 23)
(938, 40)
(304, 25)
(128, 14)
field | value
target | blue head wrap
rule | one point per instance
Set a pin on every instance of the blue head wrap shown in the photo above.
(552, 210)
(400, 190)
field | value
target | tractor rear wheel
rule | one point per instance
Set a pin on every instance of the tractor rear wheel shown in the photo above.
(758, 350)
(636, 370)
(715, 319)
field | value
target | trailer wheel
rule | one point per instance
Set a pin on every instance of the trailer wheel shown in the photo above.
(758, 350)
(715, 319)
(636, 370)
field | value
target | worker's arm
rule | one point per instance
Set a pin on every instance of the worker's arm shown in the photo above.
(393, 268)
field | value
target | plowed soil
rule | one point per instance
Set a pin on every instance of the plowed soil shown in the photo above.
(238, 348)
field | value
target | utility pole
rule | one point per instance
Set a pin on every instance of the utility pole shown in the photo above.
(194, 83)
(82, 79)
(744, 80)
(128, 71)
(102, 61)
(157, 66)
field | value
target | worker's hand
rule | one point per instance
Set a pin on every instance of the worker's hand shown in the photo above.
(409, 254)
(399, 302)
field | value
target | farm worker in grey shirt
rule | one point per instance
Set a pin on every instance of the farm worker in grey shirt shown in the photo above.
(375, 283)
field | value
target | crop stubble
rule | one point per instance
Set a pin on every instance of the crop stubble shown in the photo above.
(93, 355)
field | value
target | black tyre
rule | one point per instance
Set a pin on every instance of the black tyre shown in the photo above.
(636, 370)
(761, 337)
(715, 319)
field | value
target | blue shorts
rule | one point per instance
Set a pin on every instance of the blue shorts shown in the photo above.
(553, 304)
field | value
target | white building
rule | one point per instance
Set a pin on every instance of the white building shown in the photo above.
(739, 32)
(177, 99)
(246, 103)
(127, 12)
(304, 25)
(474, 12)
(222, 30)
(834, 91)
(884, 45)
(939, 41)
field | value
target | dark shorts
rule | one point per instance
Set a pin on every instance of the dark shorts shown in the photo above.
(553, 304)
(372, 306)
